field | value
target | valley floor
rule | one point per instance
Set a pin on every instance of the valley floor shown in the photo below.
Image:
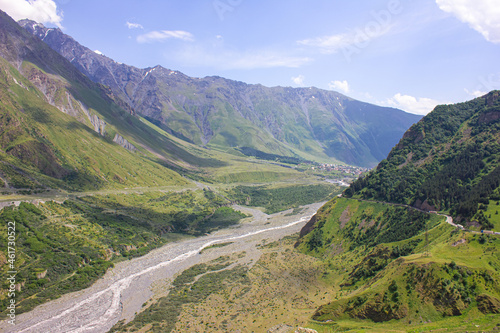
(124, 289)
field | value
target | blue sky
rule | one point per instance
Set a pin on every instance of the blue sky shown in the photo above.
(402, 53)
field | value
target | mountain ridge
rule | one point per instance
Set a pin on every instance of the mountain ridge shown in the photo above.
(54, 119)
(301, 122)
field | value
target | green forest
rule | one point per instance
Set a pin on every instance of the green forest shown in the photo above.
(443, 164)
(281, 198)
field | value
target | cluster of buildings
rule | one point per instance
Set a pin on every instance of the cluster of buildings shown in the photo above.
(346, 169)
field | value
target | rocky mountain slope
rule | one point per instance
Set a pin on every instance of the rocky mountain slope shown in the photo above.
(59, 129)
(408, 268)
(303, 122)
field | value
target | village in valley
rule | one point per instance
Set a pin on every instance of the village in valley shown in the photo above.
(335, 173)
(344, 169)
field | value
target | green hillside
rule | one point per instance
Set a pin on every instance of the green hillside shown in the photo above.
(43, 147)
(60, 130)
(402, 269)
(400, 266)
(449, 161)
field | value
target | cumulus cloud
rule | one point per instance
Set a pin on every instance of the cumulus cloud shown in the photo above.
(298, 80)
(131, 25)
(42, 11)
(481, 15)
(343, 86)
(412, 104)
(160, 36)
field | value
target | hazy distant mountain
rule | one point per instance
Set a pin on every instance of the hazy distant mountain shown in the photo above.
(304, 122)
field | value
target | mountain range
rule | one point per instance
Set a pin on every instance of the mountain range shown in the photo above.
(384, 254)
(306, 123)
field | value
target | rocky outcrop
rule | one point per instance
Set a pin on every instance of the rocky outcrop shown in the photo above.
(98, 124)
(489, 117)
(41, 275)
(310, 225)
(380, 311)
(123, 142)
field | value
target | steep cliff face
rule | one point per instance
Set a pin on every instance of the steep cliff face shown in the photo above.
(306, 122)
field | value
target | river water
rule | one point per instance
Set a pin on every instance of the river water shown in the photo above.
(126, 287)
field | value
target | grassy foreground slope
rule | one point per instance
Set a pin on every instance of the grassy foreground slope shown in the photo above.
(343, 289)
(403, 270)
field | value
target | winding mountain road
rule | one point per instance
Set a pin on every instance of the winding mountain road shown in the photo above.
(449, 219)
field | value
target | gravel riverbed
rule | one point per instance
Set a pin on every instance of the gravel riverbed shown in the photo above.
(126, 287)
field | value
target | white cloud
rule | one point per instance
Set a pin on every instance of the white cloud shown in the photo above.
(160, 36)
(42, 11)
(219, 57)
(412, 104)
(98, 52)
(343, 86)
(253, 60)
(481, 15)
(298, 80)
(131, 25)
(349, 42)
(476, 93)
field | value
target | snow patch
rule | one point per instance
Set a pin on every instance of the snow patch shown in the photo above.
(152, 69)
(46, 33)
